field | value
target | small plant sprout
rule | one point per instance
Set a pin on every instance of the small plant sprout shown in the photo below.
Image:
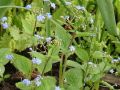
(49, 16)
(5, 25)
(40, 18)
(26, 82)
(48, 40)
(28, 7)
(57, 88)
(9, 57)
(68, 3)
(53, 5)
(36, 61)
(80, 8)
(3, 19)
(72, 48)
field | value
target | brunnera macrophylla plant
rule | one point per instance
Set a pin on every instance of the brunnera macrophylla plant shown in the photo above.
(68, 33)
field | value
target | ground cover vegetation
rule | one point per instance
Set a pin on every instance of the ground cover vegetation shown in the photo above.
(59, 45)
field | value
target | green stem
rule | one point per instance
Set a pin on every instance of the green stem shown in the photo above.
(60, 71)
(45, 66)
(108, 85)
(12, 7)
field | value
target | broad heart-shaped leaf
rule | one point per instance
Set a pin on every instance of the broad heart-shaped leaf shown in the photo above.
(62, 35)
(71, 87)
(3, 53)
(82, 54)
(73, 64)
(4, 3)
(47, 83)
(23, 64)
(74, 77)
(2, 69)
(107, 12)
(46, 64)
(22, 86)
(98, 55)
(28, 23)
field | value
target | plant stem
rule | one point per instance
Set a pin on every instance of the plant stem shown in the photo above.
(108, 85)
(45, 66)
(61, 71)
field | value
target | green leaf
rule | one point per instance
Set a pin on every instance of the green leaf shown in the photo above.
(73, 64)
(4, 3)
(14, 31)
(5, 40)
(62, 35)
(23, 64)
(2, 70)
(107, 12)
(28, 23)
(71, 87)
(3, 53)
(22, 86)
(82, 54)
(46, 84)
(98, 55)
(74, 77)
(46, 64)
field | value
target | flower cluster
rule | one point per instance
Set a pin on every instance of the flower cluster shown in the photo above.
(37, 80)
(48, 40)
(68, 3)
(28, 7)
(4, 23)
(38, 37)
(72, 48)
(53, 5)
(115, 60)
(80, 8)
(9, 57)
(36, 61)
(26, 82)
(57, 88)
(111, 71)
(41, 17)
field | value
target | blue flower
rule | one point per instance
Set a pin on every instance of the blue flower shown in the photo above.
(9, 57)
(3, 19)
(40, 18)
(38, 37)
(28, 7)
(48, 40)
(72, 48)
(37, 80)
(80, 8)
(53, 5)
(36, 61)
(48, 15)
(68, 3)
(26, 82)
(57, 88)
(5, 25)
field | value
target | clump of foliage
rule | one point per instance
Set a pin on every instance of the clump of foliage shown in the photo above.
(67, 44)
